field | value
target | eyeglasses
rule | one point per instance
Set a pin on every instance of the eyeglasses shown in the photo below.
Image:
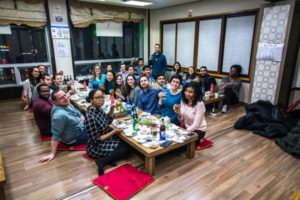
(98, 97)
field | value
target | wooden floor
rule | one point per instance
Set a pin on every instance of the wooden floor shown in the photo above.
(241, 165)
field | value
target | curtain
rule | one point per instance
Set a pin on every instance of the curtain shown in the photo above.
(83, 14)
(31, 13)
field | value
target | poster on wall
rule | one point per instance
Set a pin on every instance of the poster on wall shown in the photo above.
(62, 48)
(5, 30)
(60, 32)
(271, 52)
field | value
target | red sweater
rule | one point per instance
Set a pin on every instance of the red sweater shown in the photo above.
(42, 113)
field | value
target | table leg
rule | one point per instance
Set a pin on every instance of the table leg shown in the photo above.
(220, 104)
(150, 165)
(2, 192)
(190, 150)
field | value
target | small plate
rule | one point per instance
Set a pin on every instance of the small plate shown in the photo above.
(153, 145)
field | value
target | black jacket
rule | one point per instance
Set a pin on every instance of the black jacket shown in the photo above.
(206, 81)
(264, 119)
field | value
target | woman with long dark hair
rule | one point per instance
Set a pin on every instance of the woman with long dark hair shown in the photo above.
(119, 88)
(109, 84)
(177, 70)
(102, 141)
(28, 86)
(131, 89)
(192, 112)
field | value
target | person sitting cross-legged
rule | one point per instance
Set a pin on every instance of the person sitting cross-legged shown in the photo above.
(42, 109)
(102, 141)
(66, 124)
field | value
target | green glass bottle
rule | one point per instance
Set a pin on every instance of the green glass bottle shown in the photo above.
(135, 120)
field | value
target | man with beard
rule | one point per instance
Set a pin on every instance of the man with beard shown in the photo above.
(45, 79)
(206, 80)
(42, 109)
(158, 62)
(148, 97)
(160, 83)
(205, 83)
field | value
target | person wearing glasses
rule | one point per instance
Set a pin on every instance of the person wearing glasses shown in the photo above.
(103, 144)
(66, 124)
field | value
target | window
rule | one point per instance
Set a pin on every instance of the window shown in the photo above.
(87, 46)
(89, 49)
(169, 42)
(23, 45)
(24, 48)
(217, 42)
(209, 43)
(185, 43)
(238, 42)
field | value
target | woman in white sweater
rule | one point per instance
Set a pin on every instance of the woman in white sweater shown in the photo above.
(192, 112)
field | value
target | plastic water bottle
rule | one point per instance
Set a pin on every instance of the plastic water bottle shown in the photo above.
(90, 83)
(128, 108)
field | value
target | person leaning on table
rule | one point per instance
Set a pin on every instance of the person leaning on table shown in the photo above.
(102, 141)
(66, 124)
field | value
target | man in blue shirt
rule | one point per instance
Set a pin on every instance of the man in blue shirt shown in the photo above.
(148, 97)
(66, 124)
(158, 62)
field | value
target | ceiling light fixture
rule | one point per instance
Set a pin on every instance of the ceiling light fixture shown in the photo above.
(137, 3)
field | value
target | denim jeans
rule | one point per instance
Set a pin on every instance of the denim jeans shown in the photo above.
(81, 139)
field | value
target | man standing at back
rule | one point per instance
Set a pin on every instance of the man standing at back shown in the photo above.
(66, 124)
(158, 62)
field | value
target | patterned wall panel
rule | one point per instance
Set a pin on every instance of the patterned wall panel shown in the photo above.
(266, 73)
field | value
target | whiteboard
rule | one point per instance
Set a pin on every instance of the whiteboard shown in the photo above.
(238, 42)
(109, 29)
(169, 34)
(209, 43)
(185, 43)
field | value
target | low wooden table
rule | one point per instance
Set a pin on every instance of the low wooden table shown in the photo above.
(218, 100)
(150, 154)
(2, 179)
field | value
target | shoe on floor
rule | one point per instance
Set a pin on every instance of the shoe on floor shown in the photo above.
(213, 114)
(204, 144)
(224, 109)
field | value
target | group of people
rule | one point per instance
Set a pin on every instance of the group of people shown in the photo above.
(142, 85)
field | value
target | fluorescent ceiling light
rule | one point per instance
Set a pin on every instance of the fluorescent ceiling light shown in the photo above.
(137, 3)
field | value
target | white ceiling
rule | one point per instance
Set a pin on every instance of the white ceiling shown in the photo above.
(156, 3)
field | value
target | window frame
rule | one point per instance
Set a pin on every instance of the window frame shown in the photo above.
(219, 73)
(102, 60)
(18, 66)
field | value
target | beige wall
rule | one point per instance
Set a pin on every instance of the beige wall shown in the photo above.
(203, 8)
